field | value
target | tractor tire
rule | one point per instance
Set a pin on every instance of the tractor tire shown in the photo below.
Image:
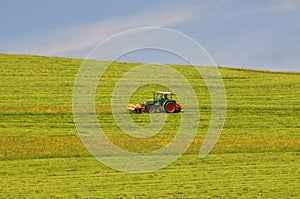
(170, 107)
(151, 109)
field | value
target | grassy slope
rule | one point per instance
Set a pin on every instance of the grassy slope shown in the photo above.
(36, 121)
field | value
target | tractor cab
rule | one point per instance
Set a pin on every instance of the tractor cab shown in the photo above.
(158, 98)
(161, 97)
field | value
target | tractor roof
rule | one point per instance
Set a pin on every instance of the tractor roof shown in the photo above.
(165, 92)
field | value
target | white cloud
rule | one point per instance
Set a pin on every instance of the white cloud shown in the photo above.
(73, 39)
(285, 5)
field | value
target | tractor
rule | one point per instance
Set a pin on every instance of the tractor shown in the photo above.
(162, 102)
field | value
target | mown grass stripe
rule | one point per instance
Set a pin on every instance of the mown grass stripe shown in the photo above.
(70, 146)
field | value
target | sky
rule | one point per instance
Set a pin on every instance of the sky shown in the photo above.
(255, 34)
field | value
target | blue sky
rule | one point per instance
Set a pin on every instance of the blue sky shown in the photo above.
(257, 34)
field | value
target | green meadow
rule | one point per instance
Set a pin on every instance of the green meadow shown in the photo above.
(42, 156)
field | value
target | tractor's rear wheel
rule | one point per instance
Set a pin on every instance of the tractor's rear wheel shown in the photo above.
(170, 107)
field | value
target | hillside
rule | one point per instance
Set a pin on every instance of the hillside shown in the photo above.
(42, 155)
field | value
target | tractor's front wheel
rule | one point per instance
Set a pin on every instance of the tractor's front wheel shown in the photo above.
(151, 109)
(170, 107)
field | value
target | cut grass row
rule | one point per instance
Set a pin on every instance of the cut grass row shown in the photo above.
(239, 122)
(19, 147)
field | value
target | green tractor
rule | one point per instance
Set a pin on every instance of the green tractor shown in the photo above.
(161, 102)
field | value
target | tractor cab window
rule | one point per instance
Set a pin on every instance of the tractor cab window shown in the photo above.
(158, 96)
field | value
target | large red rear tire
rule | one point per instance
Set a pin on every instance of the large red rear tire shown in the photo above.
(170, 107)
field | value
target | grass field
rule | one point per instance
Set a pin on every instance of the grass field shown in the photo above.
(41, 155)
